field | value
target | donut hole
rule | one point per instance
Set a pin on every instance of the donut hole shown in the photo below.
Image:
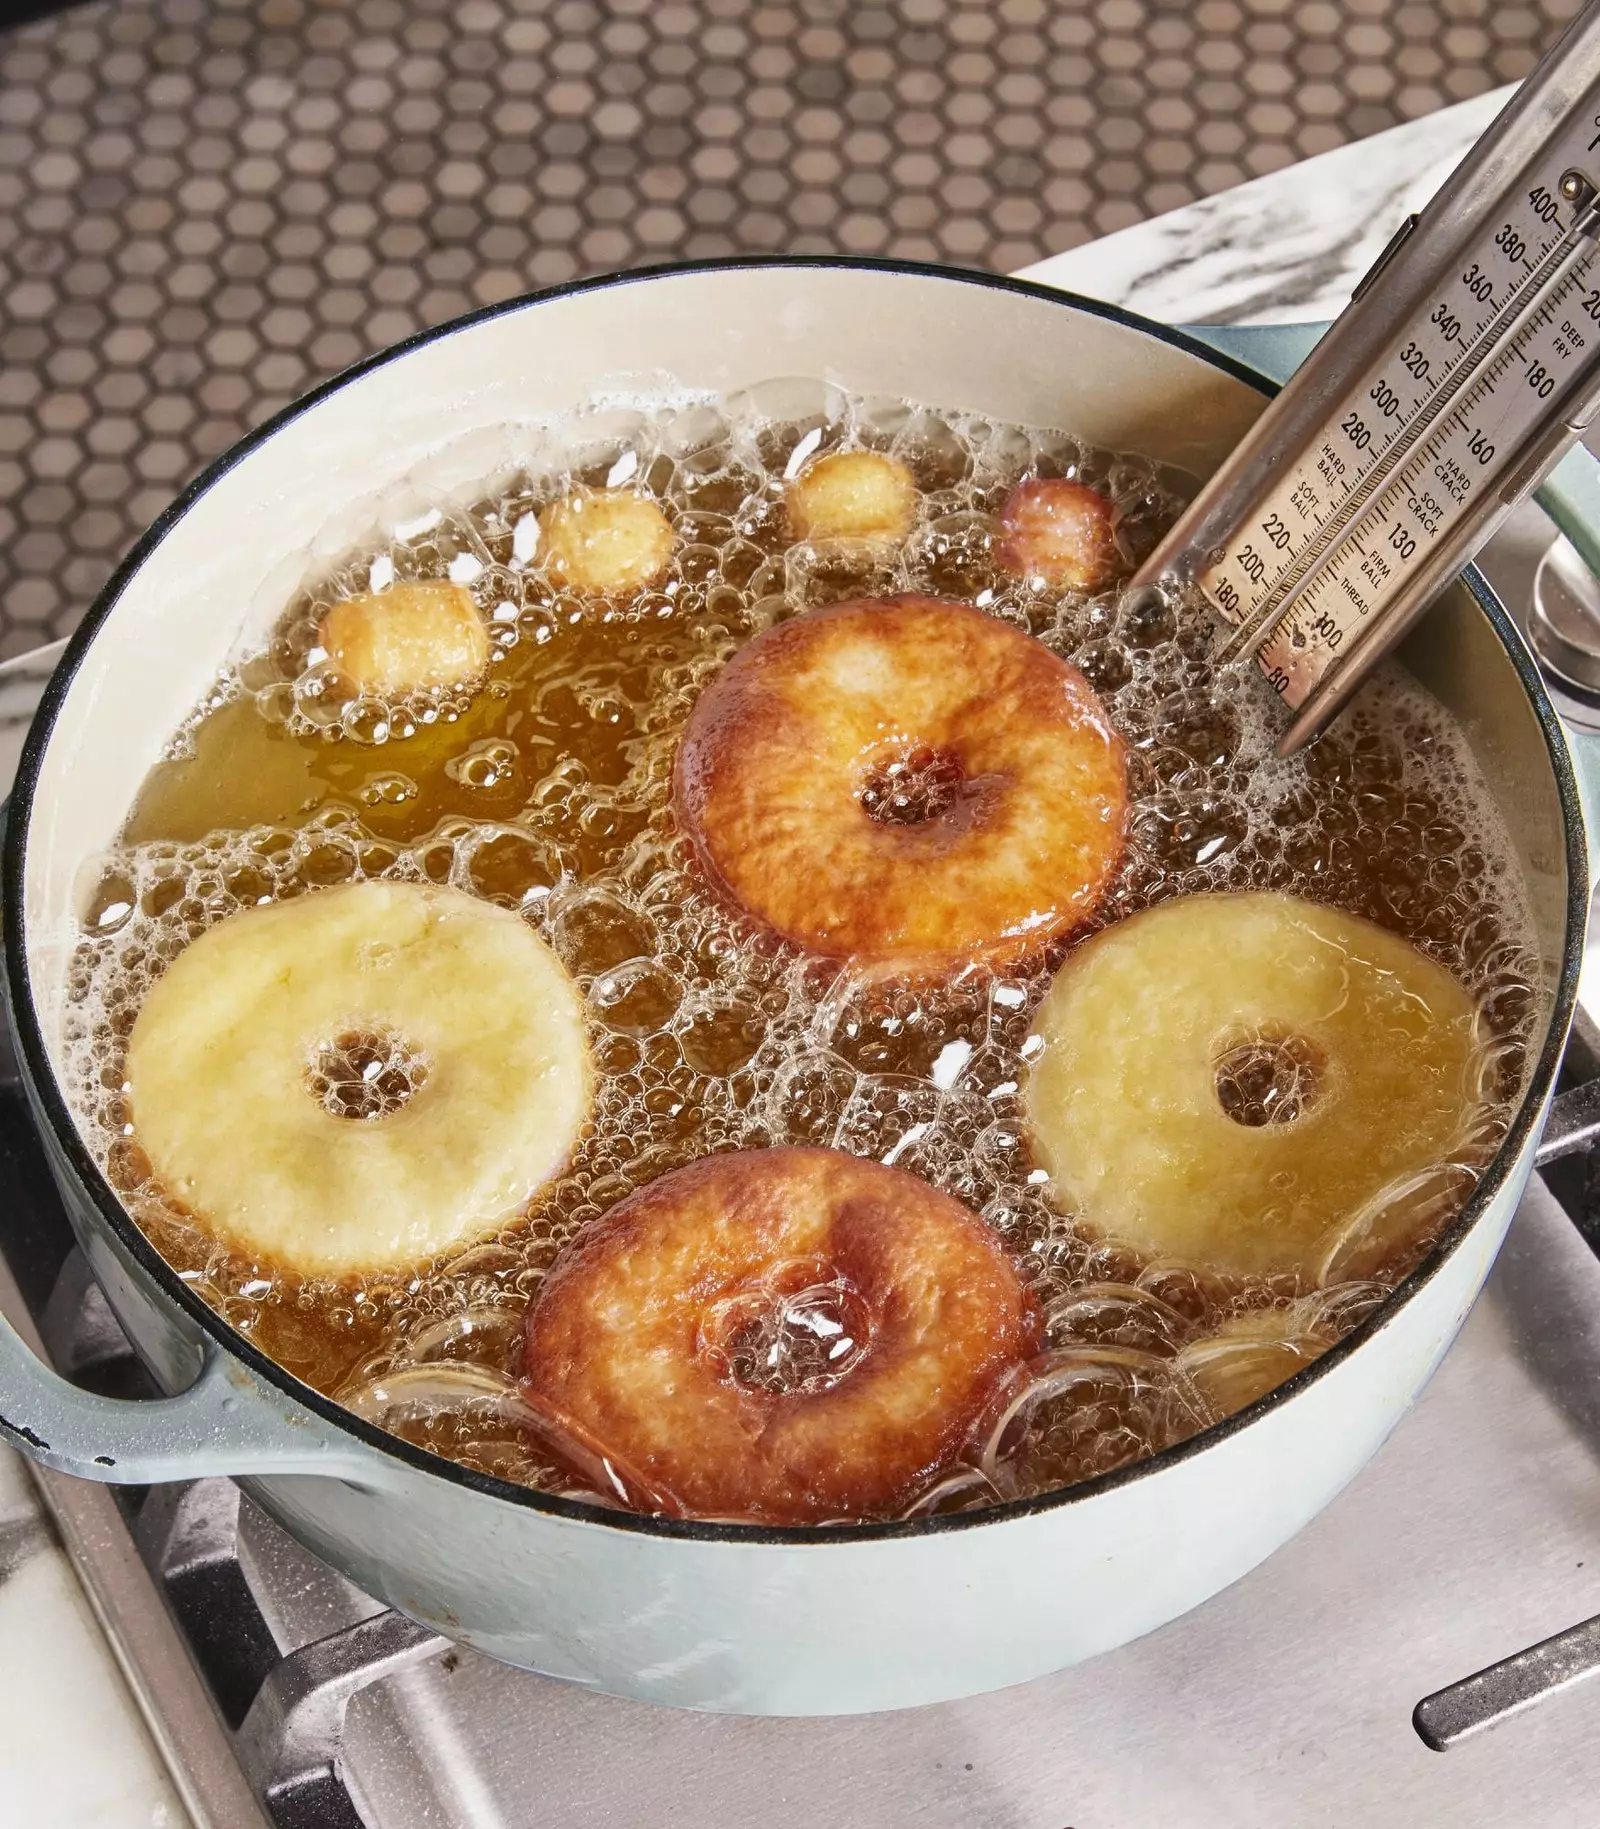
(610, 542)
(852, 495)
(365, 1074)
(1059, 532)
(1269, 1076)
(404, 638)
(800, 1330)
(911, 787)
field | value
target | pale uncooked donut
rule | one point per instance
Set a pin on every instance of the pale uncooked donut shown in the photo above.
(1122, 1100)
(852, 495)
(605, 542)
(219, 1056)
(408, 637)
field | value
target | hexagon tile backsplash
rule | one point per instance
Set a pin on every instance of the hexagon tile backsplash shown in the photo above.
(206, 205)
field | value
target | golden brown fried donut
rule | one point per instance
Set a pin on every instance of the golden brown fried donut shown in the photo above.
(651, 1345)
(1061, 532)
(906, 783)
(852, 495)
(408, 637)
(608, 543)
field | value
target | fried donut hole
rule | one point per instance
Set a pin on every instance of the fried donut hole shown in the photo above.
(407, 638)
(1061, 532)
(852, 495)
(786, 1336)
(605, 544)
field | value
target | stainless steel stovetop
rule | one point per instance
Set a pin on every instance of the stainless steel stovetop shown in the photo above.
(1285, 1701)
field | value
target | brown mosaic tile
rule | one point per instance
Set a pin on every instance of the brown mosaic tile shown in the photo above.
(207, 205)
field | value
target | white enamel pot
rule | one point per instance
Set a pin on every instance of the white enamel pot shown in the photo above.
(707, 1616)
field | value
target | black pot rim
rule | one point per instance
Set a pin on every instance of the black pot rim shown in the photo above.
(52, 1101)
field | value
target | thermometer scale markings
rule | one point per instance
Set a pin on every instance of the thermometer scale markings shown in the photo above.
(1407, 513)
(1360, 509)
(1430, 493)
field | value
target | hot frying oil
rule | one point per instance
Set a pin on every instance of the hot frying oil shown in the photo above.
(547, 790)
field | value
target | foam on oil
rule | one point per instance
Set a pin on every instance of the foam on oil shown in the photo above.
(548, 790)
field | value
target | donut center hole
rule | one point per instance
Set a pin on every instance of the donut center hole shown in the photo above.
(365, 1074)
(787, 1338)
(1268, 1077)
(911, 787)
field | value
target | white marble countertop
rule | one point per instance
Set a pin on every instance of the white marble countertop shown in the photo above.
(1285, 249)
(74, 1752)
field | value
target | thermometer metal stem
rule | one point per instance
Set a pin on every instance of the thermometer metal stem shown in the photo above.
(1465, 365)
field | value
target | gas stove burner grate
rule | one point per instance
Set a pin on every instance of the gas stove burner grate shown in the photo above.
(281, 1699)
(283, 1708)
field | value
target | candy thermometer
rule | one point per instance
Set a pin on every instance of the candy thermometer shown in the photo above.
(1466, 364)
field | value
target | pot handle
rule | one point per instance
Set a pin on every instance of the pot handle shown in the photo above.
(1570, 495)
(1584, 748)
(227, 1422)
(1274, 351)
